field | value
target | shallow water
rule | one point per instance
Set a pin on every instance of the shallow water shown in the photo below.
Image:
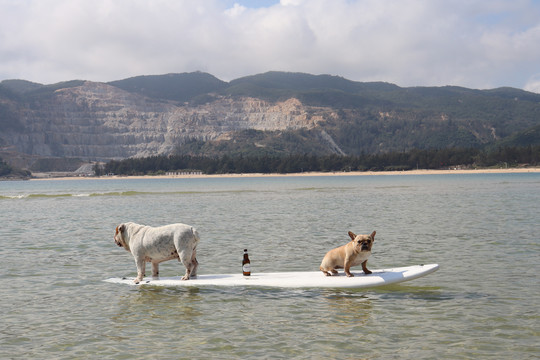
(57, 247)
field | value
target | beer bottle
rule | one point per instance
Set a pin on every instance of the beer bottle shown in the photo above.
(246, 264)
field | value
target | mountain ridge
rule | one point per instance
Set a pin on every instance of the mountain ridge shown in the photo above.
(270, 113)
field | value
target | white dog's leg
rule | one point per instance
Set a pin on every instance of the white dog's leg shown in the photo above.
(155, 270)
(195, 263)
(185, 258)
(141, 266)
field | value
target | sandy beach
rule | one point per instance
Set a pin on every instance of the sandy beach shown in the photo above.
(53, 176)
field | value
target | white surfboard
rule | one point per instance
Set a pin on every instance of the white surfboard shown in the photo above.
(296, 279)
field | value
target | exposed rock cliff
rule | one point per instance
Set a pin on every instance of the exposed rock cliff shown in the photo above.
(99, 121)
(272, 113)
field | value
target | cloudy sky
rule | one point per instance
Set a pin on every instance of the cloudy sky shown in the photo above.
(473, 43)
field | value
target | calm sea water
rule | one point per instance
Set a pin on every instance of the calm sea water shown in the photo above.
(56, 247)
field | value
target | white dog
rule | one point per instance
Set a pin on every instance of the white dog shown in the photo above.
(158, 244)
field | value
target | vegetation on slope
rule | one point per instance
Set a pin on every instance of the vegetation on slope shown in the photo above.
(177, 87)
(10, 172)
(423, 159)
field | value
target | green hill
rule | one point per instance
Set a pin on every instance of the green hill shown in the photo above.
(367, 117)
(20, 86)
(177, 87)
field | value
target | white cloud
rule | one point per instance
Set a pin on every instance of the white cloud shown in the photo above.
(533, 84)
(408, 42)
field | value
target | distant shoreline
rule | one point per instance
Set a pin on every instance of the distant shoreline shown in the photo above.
(306, 174)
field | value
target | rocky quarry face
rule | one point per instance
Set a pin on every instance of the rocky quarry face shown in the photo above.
(147, 116)
(97, 121)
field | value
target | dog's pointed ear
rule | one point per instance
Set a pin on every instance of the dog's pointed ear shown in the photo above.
(121, 228)
(373, 235)
(352, 235)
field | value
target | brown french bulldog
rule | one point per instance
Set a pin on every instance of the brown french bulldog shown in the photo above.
(353, 253)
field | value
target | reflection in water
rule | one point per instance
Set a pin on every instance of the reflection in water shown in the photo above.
(348, 311)
(148, 304)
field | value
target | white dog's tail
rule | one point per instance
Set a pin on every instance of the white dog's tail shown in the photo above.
(195, 234)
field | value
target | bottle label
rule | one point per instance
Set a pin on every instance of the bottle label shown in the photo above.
(246, 268)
